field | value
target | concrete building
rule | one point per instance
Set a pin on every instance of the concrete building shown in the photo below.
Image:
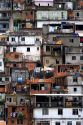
(17, 111)
(73, 55)
(27, 43)
(5, 8)
(58, 109)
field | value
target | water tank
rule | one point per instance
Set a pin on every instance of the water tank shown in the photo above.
(20, 80)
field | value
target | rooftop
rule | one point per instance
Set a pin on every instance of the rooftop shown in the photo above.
(2, 122)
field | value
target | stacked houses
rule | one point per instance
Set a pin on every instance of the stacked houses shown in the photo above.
(41, 62)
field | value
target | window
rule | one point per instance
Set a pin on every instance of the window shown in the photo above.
(81, 57)
(14, 49)
(47, 48)
(78, 123)
(71, 40)
(47, 61)
(23, 39)
(31, 12)
(79, 27)
(43, 123)
(57, 123)
(75, 111)
(81, 50)
(14, 65)
(75, 79)
(69, 123)
(19, 121)
(75, 89)
(0, 79)
(4, 25)
(6, 79)
(45, 111)
(54, 38)
(57, 61)
(0, 63)
(13, 39)
(75, 99)
(37, 48)
(60, 111)
(73, 57)
(9, 99)
(13, 109)
(16, 56)
(77, 14)
(28, 49)
(7, 38)
(4, 14)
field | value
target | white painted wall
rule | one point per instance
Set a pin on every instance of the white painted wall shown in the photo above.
(71, 90)
(51, 60)
(70, 81)
(51, 15)
(1, 50)
(68, 58)
(29, 40)
(40, 24)
(34, 54)
(2, 65)
(53, 114)
(43, 2)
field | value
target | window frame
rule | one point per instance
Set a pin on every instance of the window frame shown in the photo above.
(28, 48)
(45, 111)
(75, 111)
(60, 111)
(48, 48)
(73, 57)
(69, 122)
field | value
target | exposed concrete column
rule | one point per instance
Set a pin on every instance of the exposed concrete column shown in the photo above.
(11, 24)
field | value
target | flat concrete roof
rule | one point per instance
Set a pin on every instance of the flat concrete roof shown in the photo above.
(2, 122)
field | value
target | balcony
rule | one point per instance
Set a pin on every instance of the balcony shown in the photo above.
(39, 89)
(5, 6)
(47, 102)
(49, 105)
(58, 101)
(4, 18)
(59, 90)
(22, 89)
(33, 92)
(70, 104)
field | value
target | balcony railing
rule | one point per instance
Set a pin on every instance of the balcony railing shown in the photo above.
(58, 104)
